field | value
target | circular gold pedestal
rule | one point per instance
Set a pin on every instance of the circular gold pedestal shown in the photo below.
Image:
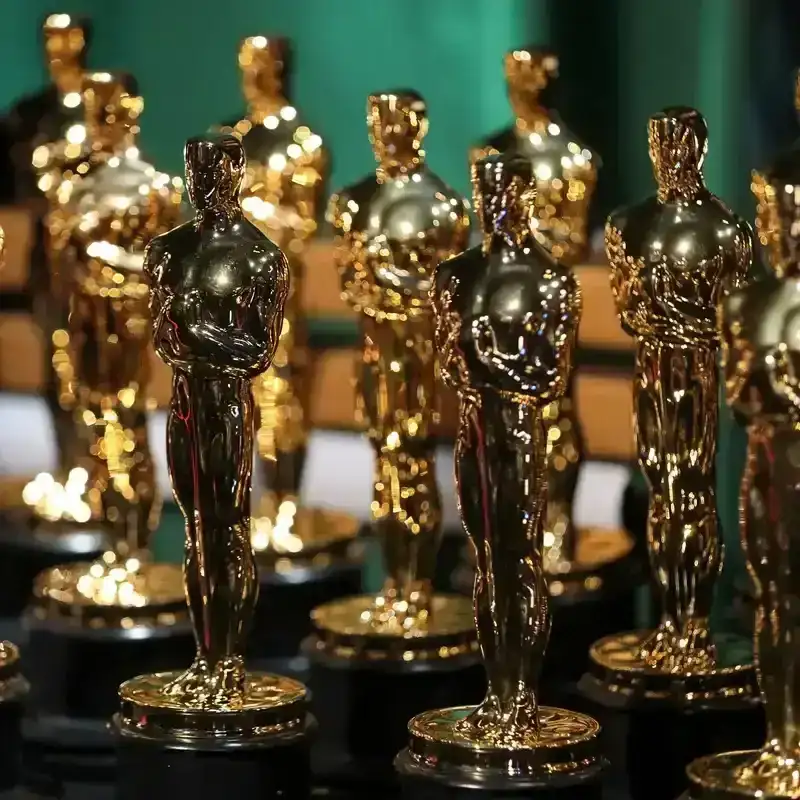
(345, 629)
(566, 751)
(599, 552)
(106, 595)
(618, 672)
(308, 539)
(273, 707)
(743, 774)
(12, 684)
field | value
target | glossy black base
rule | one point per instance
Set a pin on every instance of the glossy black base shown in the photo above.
(25, 552)
(416, 785)
(149, 770)
(363, 709)
(285, 602)
(10, 743)
(649, 751)
(75, 673)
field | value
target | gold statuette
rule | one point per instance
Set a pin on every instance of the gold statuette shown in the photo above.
(761, 353)
(217, 291)
(673, 258)
(565, 174)
(55, 161)
(507, 316)
(393, 228)
(110, 214)
(281, 191)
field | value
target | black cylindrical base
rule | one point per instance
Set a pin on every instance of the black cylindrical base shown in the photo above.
(419, 790)
(363, 709)
(285, 602)
(10, 743)
(148, 771)
(75, 673)
(650, 750)
(25, 552)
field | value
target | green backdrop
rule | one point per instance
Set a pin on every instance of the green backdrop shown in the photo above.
(621, 60)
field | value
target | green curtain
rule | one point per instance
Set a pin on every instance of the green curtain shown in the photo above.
(621, 60)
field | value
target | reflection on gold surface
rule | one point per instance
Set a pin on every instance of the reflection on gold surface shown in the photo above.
(56, 162)
(217, 292)
(268, 706)
(374, 630)
(565, 174)
(109, 214)
(761, 354)
(281, 190)
(392, 228)
(673, 259)
(506, 322)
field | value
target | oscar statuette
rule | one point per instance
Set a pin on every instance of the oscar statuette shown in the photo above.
(49, 146)
(507, 315)
(761, 356)
(13, 690)
(405, 644)
(591, 572)
(218, 287)
(673, 258)
(92, 625)
(305, 555)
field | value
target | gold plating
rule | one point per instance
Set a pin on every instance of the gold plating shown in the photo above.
(12, 684)
(617, 661)
(291, 538)
(673, 259)
(392, 228)
(506, 321)
(108, 215)
(155, 706)
(361, 628)
(281, 194)
(111, 594)
(566, 742)
(766, 775)
(761, 355)
(218, 287)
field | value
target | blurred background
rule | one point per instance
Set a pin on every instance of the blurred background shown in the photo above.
(620, 61)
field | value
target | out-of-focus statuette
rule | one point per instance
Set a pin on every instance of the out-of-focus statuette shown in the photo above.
(761, 362)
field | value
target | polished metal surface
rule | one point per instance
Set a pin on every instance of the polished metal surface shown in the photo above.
(507, 317)
(393, 228)
(761, 354)
(281, 193)
(565, 173)
(45, 128)
(57, 151)
(217, 291)
(673, 259)
(564, 167)
(108, 215)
